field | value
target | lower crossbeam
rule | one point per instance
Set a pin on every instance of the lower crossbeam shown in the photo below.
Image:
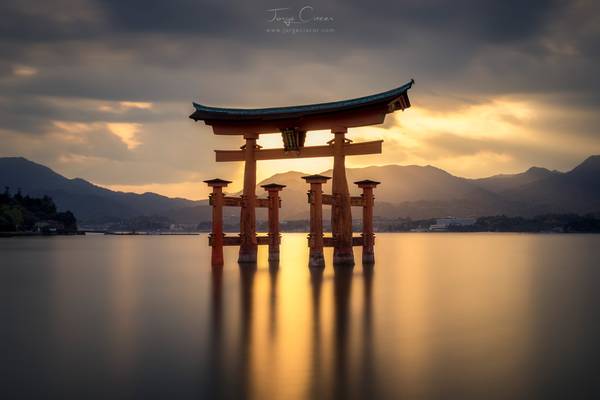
(329, 241)
(236, 240)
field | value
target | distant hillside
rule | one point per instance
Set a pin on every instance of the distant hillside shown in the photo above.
(504, 182)
(406, 191)
(575, 191)
(89, 203)
(428, 192)
(411, 191)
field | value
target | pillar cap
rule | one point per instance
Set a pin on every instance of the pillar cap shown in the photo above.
(272, 186)
(316, 178)
(366, 183)
(217, 182)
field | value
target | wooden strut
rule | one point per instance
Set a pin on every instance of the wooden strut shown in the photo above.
(230, 201)
(368, 236)
(315, 237)
(355, 201)
(217, 238)
(340, 201)
(248, 245)
(341, 215)
(274, 203)
(316, 199)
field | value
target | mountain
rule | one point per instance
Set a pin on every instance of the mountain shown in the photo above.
(428, 192)
(575, 191)
(89, 203)
(405, 191)
(503, 182)
(293, 198)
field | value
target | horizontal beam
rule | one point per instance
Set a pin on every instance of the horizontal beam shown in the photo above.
(232, 241)
(264, 240)
(236, 240)
(350, 149)
(328, 200)
(356, 241)
(227, 240)
(230, 201)
(357, 201)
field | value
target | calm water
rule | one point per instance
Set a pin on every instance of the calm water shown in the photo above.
(440, 316)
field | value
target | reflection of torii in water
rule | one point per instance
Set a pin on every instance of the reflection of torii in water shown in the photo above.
(293, 123)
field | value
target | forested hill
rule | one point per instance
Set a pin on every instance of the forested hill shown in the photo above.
(20, 213)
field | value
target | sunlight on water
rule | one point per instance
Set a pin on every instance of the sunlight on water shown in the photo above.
(439, 316)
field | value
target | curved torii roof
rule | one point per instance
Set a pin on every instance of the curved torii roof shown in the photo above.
(367, 110)
(217, 113)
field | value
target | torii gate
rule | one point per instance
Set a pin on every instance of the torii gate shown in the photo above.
(293, 123)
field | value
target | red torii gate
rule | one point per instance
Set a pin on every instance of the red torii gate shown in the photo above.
(293, 123)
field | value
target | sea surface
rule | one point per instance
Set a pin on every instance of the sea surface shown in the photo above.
(439, 316)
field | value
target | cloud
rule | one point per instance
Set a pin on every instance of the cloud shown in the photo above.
(142, 105)
(24, 70)
(125, 73)
(501, 135)
(127, 132)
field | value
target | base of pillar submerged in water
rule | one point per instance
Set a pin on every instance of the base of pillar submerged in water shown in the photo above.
(274, 256)
(368, 258)
(316, 261)
(343, 259)
(247, 258)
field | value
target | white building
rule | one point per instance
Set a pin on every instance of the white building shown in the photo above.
(442, 224)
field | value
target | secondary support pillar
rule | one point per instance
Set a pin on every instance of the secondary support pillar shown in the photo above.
(315, 237)
(248, 245)
(273, 190)
(341, 215)
(368, 255)
(216, 235)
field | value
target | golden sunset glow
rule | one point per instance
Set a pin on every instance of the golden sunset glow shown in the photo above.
(187, 190)
(471, 141)
(127, 132)
(24, 70)
(136, 104)
(474, 140)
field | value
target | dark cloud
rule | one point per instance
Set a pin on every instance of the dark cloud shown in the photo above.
(48, 21)
(76, 60)
(179, 16)
(151, 50)
(35, 115)
(471, 20)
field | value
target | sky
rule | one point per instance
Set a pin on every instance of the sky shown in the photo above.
(102, 90)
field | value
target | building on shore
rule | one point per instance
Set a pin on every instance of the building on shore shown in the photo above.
(442, 224)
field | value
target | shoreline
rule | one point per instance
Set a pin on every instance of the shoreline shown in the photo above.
(94, 233)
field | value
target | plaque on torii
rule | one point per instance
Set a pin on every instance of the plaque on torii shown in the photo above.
(293, 123)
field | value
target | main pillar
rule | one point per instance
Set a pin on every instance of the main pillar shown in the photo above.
(315, 237)
(341, 216)
(248, 245)
(368, 255)
(216, 235)
(273, 190)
